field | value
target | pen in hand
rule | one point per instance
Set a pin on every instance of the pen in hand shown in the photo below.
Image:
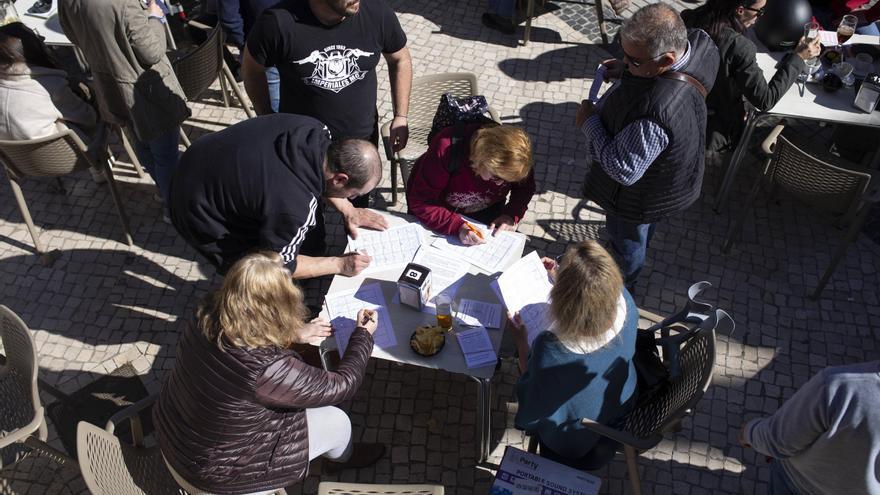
(475, 230)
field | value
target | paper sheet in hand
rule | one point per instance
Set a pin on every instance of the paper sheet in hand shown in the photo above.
(477, 313)
(344, 306)
(525, 287)
(395, 246)
(476, 347)
(489, 256)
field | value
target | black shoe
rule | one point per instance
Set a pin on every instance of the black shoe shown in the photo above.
(362, 455)
(498, 23)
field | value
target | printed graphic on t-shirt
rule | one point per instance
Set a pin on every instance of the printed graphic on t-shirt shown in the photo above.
(336, 67)
(469, 202)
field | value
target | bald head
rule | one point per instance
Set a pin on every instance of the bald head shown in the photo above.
(358, 159)
(657, 28)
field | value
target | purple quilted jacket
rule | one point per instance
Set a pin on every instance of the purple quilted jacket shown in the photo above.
(234, 422)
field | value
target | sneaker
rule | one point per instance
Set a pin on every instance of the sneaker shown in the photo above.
(362, 455)
(498, 23)
(98, 175)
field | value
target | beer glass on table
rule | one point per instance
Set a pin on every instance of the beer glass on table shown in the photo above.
(845, 31)
(443, 303)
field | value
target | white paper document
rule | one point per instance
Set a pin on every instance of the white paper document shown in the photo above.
(476, 347)
(446, 269)
(489, 256)
(477, 313)
(344, 306)
(395, 246)
(525, 287)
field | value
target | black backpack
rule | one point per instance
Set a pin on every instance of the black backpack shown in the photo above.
(458, 111)
(653, 370)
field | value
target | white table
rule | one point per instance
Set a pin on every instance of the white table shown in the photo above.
(814, 104)
(48, 28)
(405, 320)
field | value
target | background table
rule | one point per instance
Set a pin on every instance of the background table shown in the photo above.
(814, 104)
(48, 28)
(405, 320)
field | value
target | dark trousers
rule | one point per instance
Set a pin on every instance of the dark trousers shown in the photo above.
(629, 245)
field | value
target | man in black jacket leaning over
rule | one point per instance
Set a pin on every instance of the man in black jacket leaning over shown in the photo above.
(647, 134)
(258, 185)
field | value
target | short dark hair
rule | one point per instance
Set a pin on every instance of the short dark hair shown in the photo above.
(18, 44)
(356, 158)
(658, 28)
(715, 15)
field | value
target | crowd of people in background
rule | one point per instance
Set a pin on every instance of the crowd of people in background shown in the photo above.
(309, 68)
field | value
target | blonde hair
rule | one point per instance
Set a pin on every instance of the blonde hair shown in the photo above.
(504, 151)
(258, 305)
(583, 301)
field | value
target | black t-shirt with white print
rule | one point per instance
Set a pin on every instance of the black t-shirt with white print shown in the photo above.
(328, 72)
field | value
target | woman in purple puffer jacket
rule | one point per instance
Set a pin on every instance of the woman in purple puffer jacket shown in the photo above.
(241, 412)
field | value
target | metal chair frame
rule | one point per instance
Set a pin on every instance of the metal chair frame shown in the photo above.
(830, 183)
(199, 68)
(53, 156)
(425, 96)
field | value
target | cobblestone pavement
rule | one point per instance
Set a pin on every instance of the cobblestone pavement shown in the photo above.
(101, 305)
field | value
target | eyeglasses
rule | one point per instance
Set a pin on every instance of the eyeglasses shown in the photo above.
(635, 63)
(758, 12)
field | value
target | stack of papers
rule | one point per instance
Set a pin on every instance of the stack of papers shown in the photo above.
(343, 308)
(525, 288)
(479, 314)
(490, 256)
(476, 347)
(392, 247)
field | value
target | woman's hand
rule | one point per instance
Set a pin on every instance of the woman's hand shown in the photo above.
(551, 266)
(806, 50)
(368, 319)
(502, 223)
(317, 329)
(520, 335)
(517, 327)
(468, 237)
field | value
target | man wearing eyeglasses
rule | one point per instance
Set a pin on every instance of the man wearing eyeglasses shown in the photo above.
(646, 135)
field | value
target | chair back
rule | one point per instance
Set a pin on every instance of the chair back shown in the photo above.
(199, 68)
(425, 96)
(110, 467)
(50, 156)
(334, 488)
(681, 394)
(817, 182)
(20, 405)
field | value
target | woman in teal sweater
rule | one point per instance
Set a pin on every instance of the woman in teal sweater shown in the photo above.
(580, 367)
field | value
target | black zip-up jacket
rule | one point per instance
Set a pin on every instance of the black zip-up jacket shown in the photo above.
(255, 185)
(740, 76)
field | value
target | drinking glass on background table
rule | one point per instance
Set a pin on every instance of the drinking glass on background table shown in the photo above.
(845, 31)
(444, 311)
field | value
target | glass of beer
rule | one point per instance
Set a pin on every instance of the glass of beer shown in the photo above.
(444, 311)
(845, 31)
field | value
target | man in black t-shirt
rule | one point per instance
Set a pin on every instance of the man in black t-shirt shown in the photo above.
(326, 52)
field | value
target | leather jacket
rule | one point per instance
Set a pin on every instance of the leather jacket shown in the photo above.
(232, 420)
